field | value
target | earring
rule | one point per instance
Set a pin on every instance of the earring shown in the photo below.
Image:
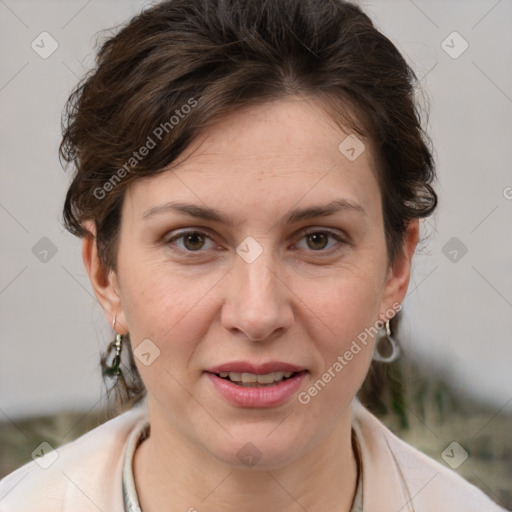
(395, 348)
(114, 369)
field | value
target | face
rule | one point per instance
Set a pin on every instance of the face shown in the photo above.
(235, 277)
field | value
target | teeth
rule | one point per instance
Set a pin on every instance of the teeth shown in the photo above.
(251, 378)
(268, 378)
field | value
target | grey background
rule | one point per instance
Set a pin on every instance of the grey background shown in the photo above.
(457, 314)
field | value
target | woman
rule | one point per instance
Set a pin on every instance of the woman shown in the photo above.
(249, 180)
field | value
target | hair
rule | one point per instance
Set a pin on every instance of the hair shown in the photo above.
(180, 65)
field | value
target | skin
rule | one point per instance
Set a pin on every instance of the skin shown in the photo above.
(303, 300)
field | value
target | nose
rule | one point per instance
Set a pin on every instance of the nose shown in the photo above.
(258, 300)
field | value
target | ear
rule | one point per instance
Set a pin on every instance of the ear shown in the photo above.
(399, 273)
(104, 282)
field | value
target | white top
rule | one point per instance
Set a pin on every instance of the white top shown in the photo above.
(86, 475)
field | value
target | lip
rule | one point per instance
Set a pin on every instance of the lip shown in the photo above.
(258, 397)
(257, 369)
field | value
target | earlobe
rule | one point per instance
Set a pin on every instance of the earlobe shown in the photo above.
(103, 281)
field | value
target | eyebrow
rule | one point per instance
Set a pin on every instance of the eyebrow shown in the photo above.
(296, 215)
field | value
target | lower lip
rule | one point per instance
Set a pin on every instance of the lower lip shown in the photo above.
(268, 396)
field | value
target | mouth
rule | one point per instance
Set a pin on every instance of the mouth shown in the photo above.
(245, 384)
(253, 380)
(251, 375)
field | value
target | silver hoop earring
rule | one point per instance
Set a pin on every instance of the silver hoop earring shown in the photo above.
(392, 353)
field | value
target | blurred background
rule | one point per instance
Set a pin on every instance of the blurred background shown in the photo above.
(454, 383)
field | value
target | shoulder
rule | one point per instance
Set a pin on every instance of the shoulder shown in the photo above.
(397, 475)
(84, 474)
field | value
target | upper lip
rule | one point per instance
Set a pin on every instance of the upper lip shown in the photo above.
(257, 369)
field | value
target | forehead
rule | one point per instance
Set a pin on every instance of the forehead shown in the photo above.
(277, 153)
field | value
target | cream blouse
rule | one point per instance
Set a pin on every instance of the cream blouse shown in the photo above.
(94, 472)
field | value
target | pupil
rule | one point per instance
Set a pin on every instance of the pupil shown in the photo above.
(316, 236)
(193, 236)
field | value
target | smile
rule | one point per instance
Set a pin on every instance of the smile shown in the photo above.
(253, 380)
(256, 390)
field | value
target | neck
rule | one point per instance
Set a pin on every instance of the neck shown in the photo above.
(171, 473)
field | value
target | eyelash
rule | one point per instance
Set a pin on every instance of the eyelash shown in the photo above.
(329, 233)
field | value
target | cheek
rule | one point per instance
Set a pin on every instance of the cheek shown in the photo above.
(343, 308)
(344, 344)
(159, 308)
(168, 309)
(339, 317)
(154, 293)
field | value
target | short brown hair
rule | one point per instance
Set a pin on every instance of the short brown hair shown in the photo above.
(221, 55)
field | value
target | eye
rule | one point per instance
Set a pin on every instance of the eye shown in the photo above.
(318, 240)
(193, 241)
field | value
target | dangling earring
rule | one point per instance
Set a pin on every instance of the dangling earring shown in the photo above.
(114, 369)
(395, 348)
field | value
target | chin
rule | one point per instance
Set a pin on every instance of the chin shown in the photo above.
(259, 451)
